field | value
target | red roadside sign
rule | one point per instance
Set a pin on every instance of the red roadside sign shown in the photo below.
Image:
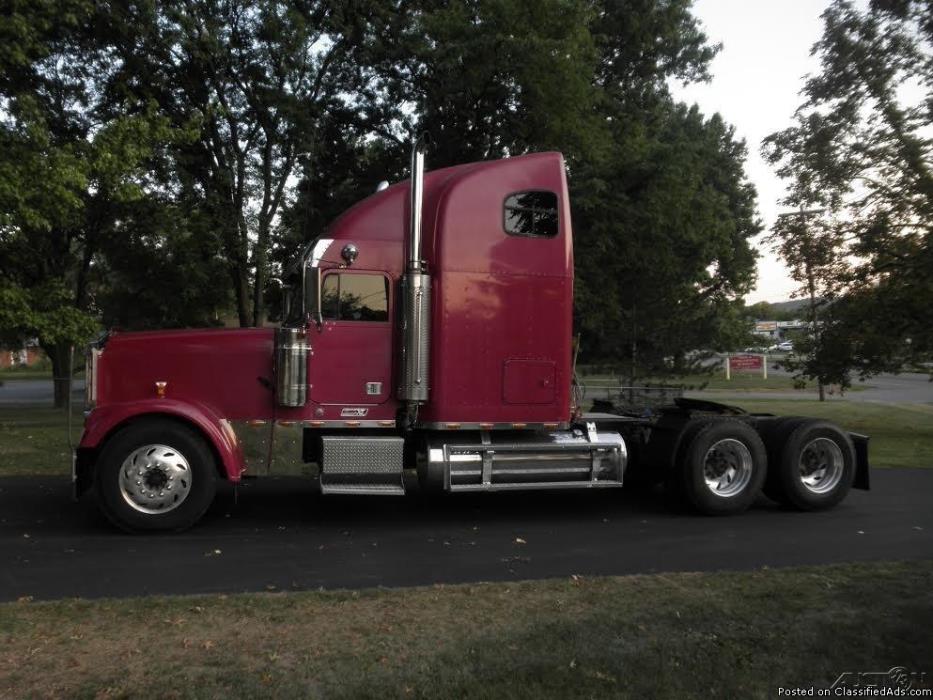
(745, 362)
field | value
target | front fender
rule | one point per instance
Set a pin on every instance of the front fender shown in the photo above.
(104, 421)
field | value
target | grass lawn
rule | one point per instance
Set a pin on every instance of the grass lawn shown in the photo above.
(901, 434)
(741, 381)
(738, 635)
(34, 440)
(15, 374)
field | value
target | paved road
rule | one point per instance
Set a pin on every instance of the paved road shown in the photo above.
(35, 392)
(282, 535)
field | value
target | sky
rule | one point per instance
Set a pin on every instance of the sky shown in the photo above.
(755, 86)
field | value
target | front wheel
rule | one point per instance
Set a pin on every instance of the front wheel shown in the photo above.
(723, 467)
(155, 474)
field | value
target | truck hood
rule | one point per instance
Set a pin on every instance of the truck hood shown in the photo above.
(229, 369)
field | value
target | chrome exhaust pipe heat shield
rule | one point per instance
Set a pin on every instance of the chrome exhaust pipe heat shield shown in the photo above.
(415, 299)
(416, 337)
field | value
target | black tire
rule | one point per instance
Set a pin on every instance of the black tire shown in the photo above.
(775, 433)
(797, 471)
(706, 449)
(199, 477)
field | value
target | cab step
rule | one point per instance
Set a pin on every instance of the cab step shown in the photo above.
(358, 465)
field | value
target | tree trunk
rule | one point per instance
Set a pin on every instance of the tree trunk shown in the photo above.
(814, 329)
(241, 293)
(60, 355)
(260, 259)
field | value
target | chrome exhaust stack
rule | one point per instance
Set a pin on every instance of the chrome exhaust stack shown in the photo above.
(415, 329)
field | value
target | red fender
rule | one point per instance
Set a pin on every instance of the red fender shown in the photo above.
(103, 421)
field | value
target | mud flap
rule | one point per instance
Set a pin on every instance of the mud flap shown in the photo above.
(82, 471)
(862, 468)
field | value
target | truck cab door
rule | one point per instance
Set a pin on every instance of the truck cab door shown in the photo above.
(351, 364)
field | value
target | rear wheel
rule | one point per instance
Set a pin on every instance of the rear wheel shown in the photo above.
(816, 467)
(722, 468)
(775, 433)
(156, 474)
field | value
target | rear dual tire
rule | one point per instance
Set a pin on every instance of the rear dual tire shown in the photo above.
(812, 463)
(722, 467)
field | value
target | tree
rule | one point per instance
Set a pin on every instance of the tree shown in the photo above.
(58, 170)
(663, 221)
(255, 79)
(76, 183)
(860, 148)
(812, 249)
(663, 243)
(487, 78)
(658, 191)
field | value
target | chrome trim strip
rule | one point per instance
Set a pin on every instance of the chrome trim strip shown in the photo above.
(346, 423)
(493, 426)
(320, 247)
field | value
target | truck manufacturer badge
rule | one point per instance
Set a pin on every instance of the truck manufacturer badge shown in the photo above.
(373, 388)
(353, 412)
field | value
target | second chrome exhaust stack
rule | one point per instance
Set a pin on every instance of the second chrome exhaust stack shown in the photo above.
(415, 330)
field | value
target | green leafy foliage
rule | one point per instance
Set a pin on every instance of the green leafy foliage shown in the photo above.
(860, 148)
(161, 161)
(663, 214)
(663, 249)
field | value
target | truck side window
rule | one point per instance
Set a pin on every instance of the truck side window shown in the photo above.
(532, 214)
(355, 297)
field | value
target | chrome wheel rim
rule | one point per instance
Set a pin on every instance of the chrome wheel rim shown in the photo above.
(727, 467)
(821, 465)
(155, 479)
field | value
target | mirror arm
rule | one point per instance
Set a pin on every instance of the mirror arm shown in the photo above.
(314, 314)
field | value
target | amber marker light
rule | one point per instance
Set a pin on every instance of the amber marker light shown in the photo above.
(160, 389)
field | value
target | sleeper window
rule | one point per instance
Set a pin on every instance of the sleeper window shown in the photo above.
(532, 214)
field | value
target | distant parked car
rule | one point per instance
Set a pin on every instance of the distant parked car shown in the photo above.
(786, 346)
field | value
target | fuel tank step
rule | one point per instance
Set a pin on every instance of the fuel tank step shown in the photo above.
(358, 465)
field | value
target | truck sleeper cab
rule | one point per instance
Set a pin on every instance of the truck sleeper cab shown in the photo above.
(428, 328)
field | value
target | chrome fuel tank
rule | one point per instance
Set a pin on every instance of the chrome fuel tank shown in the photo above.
(501, 461)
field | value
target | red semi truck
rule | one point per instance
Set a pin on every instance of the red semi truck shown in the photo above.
(429, 327)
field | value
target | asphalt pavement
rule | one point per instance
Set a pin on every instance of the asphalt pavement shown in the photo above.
(35, 392)
(280, 534)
